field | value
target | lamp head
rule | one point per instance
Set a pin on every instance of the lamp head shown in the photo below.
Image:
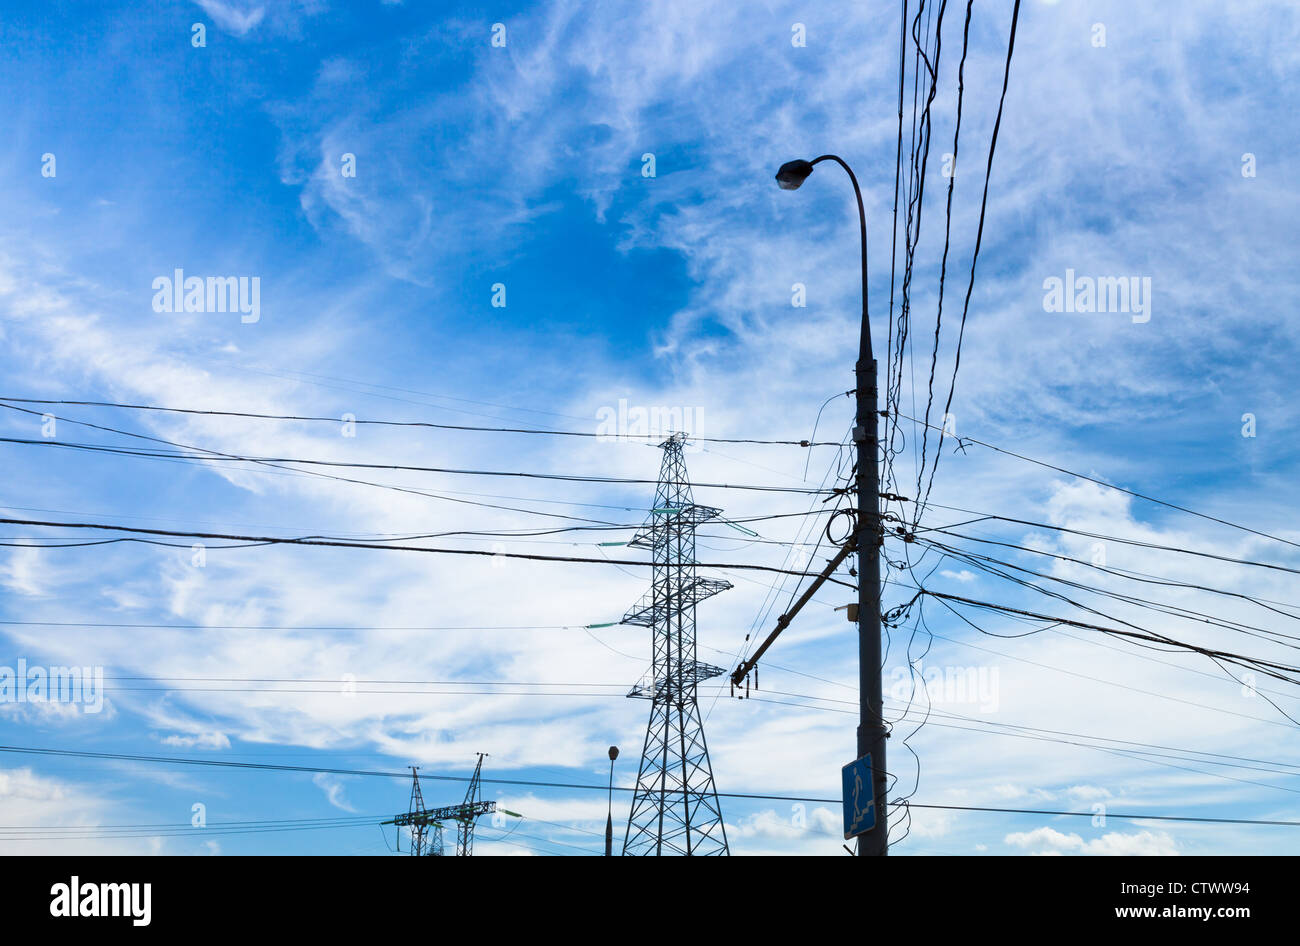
(613, 753)
(793, 173)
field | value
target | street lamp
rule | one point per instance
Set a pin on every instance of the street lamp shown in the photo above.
(609, 821)
(871, 724)
(793, 173)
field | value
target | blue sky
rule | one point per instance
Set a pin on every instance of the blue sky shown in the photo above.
(522, 166)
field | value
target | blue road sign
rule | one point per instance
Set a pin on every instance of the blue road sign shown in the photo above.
(859, 799)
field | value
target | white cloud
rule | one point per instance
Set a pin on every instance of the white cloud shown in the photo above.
(206, 740)
(28, 798)
(25, 573)
(232, 18)
(1046, 840)
(1087, 792)
(332, 786)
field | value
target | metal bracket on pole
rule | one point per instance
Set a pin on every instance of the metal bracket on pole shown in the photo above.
(784, 620)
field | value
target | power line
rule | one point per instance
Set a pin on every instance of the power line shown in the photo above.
(393, 467)
(269, 766)
(1248, 663)
(1267, 667)
(1109, 814)
(1192, 755)
(337, 690)
(1084, 676)
(520, 531)
(771, 596)
(1188, 754)
(274, 469)
(973, 719)
(1179, 667)
(335, 543)
(269, 822)
(979, 234)
(1123, 541)
(224, 829)
(987, 564)
(1114, 683)
(947, 231)
(299, 627)
(396, 423)
(212, 829)
(1143, 577)
(1136, 752)
(1101, 482)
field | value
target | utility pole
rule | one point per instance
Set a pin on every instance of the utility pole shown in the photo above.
(869, 537)
(872, 733)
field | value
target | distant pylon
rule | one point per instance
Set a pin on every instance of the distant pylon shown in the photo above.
(472, 807)
(426, 833)
(426, 823)
(675, 807)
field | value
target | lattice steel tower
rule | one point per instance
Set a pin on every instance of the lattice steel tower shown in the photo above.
(425, 824)
(426, 831)
(675, 808)
(470, 809)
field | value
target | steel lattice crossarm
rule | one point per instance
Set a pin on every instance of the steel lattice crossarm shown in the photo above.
(688, 674)
(666, 517)
(426, 833)
(412, 818)
(449, 813)
(654, 606)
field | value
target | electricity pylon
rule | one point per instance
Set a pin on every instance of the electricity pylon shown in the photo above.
(426, 831)
(675, 807)
(426, 823)
(470, 809)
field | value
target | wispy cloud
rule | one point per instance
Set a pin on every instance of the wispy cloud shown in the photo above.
(233, 18)
(332, 786)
